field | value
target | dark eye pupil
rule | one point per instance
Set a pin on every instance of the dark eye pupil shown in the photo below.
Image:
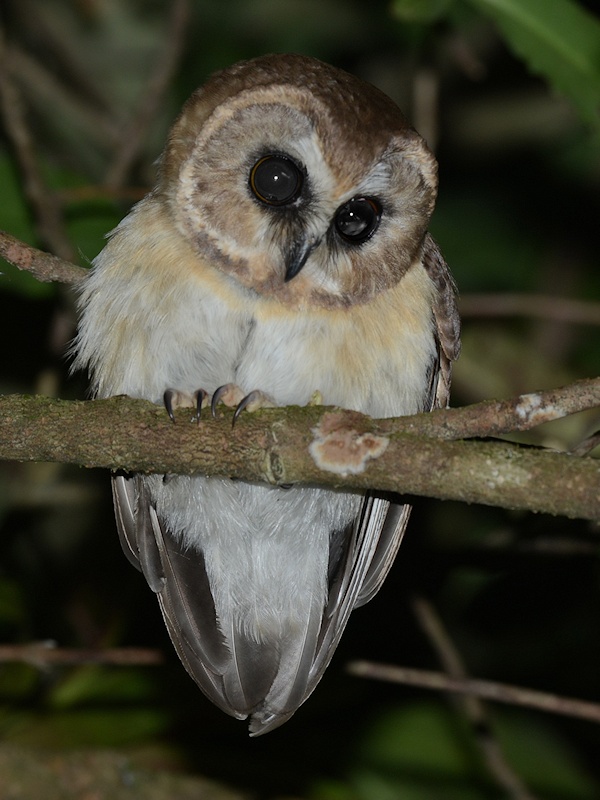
(358, 219)
(276, 180)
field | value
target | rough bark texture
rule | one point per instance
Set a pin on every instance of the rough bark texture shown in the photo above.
(410, 455)
(44, 266)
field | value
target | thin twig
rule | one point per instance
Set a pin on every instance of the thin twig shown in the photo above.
(514, 304)
(470, 705)
(39, 85)
(45, 654)
(486, 690)
(44, 266)
(518, 414)
(586, 446)
(82, 194)
(425, 112)
(61, 51)
(134, 133)
(49, 221)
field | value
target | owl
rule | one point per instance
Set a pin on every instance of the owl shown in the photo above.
(284, 250)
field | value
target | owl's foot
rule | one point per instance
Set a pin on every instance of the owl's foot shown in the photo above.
(174, 399)
(233, 397)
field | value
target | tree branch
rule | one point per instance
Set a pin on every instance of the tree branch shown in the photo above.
(43, 266)
(47, 654)
(538, 306)
(486, 690)
(314, 444)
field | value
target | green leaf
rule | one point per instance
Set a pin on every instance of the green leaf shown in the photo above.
(87, 727)
(413, 750)
(424, 750)
(12, 609)
(14, 218)
(559, 40)
(420, 10)
(546, 761)
(93, 683)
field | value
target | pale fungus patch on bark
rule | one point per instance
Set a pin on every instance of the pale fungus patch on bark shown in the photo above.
(343, 450)
(531, 408)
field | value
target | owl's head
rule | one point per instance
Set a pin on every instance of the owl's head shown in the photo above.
(300, 181)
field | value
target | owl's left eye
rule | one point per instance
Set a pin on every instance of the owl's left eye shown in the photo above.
(357, 219)
(276, 180)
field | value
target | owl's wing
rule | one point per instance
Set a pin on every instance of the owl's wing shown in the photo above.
(446, 319)
(373, 544)
(386, 519)
(360, 560)
(181, 585)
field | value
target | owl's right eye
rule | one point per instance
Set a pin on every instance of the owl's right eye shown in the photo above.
(276, 180)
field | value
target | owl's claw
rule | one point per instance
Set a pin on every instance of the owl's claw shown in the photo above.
(252, 402)
(233, 397)
(200, 396)
(174, 399)
(168, 399)
(229, 394)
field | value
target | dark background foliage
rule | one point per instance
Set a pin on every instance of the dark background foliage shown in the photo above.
(510, 104)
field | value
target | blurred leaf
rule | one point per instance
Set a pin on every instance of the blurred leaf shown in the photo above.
(11, 601)
(89, 227)
(415, 750)
(89, 727)
(559, 40)
(331, 790)
(94, 683)
(418, 752)
(17, 681)
(88, 221)
(544, 761)
(15, 219)
(498, 254)
(420, 10)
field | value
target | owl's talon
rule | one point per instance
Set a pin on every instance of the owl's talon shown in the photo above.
(233, 397)
(215, 400)
(174, 399)
(237, 412)
(200, 396)
(229, 394)
(252, 402)
(168, 398)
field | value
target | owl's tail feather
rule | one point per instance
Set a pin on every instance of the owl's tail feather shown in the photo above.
(266, 679)
(264, 674)
(292, 683)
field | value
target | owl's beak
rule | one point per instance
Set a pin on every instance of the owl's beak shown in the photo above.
(297, 256)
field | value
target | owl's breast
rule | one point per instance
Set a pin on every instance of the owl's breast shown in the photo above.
(374, 357)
